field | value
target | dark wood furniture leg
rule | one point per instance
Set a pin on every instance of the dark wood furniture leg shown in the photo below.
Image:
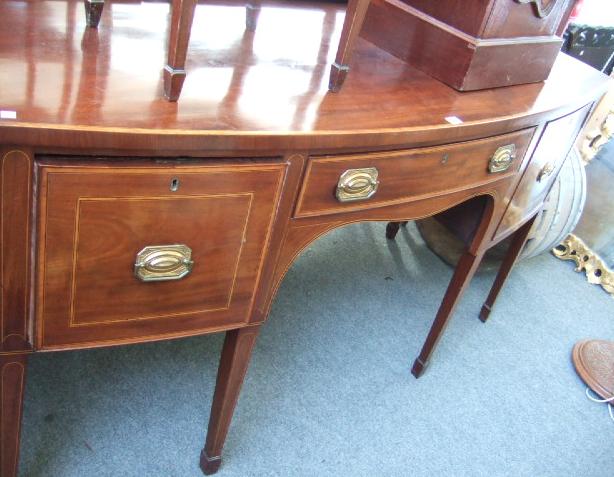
(181, 25)
(13, 375)
(235, 358)
(93, 12)
(392, 228)
(463, 273)
(354, 18)
(252, 12)
(513, 252)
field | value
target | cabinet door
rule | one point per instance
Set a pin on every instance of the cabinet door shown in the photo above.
(542, 170)
(128, 253)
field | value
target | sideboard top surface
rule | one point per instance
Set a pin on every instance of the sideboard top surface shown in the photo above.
(244, 91)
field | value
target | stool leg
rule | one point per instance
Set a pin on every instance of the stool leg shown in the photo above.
(93, 11)
(354, 18)
(234, 361)
(463, 273)
(513, 252)
(181, 25)
(12, 380)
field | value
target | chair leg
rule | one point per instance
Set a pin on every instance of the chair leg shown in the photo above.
(234, 361)
(463, 273)
(93, 12)
(513, 252)
(12, 380)
(354, 18)
(179, 38)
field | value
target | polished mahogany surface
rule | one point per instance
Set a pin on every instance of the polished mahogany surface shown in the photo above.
(267, 88)
(255, 104)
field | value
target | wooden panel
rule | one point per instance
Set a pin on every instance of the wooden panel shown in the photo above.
(407, 175)
(468, 16)
(495, 18)
(553, 147)
(512, 19)
(15, 184)
(94, 220)
(460, 60)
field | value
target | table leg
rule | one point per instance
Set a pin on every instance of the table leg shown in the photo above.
(513, 252)
(12, 379)
(181, 25)
(93, 11)
(463, 273)
(234, 361)
(354, 18)
(252, 12)
(392, 228)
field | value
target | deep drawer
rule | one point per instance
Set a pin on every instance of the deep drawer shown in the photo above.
(548, 157)
(127, 252)
(392, 177)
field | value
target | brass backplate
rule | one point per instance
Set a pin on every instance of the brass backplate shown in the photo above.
(157, 263)
(502, 158)
(357, 184)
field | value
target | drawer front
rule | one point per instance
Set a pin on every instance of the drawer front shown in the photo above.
(129, 252)
(548, 157)
(336, 184)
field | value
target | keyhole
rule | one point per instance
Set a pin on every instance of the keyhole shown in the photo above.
(444, 159)
(174, 184)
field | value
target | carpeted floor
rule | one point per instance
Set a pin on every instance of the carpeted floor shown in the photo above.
(329, 391)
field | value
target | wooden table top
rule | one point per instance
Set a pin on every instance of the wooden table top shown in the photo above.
(251, 91)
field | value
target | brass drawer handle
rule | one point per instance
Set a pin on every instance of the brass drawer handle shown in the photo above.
(158, 263)
(357, 184)
(546, 171)
(502, 158)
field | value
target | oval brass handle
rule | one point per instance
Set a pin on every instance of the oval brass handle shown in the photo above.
(158, 263)
(357, 184)
(502, 159)
(546, 171)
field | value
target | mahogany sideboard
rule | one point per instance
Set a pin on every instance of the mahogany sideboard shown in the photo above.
(127, 218)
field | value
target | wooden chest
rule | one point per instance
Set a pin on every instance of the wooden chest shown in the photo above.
(472, 44)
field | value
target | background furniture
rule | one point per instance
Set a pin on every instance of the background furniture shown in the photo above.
(106, 186)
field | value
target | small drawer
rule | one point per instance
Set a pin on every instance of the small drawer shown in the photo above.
(543, 168)
(336, 184)
(149, 251)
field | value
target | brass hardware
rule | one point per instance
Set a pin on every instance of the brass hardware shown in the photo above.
(163, 262)
(597, 272)
(357, 184)
(546, 171)
(502, 159)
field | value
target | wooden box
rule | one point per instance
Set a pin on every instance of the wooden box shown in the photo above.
(472, 44)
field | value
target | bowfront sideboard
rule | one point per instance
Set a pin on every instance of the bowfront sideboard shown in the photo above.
(127, 218)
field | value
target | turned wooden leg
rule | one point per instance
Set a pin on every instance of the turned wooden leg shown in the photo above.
(252, 12)
(463, 273)
(513, 252)
(93, 11)
(235, 358)
(393, 228)
(13, 375)
(354, 18)
(181, 25)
